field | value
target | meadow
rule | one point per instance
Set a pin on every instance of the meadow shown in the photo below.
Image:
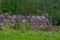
(10, 34)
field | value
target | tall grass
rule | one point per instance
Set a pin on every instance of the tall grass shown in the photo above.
(31, 35)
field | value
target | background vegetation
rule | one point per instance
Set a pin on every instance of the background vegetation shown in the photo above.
(32, 7)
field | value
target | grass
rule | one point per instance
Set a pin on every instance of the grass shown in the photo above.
(30, 35)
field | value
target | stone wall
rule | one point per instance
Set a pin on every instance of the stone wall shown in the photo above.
(37, 21)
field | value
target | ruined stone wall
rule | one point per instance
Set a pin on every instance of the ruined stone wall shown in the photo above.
(37, 21)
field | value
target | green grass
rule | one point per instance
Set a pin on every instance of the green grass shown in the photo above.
(31, 35)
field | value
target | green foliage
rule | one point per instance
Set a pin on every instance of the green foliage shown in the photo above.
(31, 7)
(31, 35)
(25, 27)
